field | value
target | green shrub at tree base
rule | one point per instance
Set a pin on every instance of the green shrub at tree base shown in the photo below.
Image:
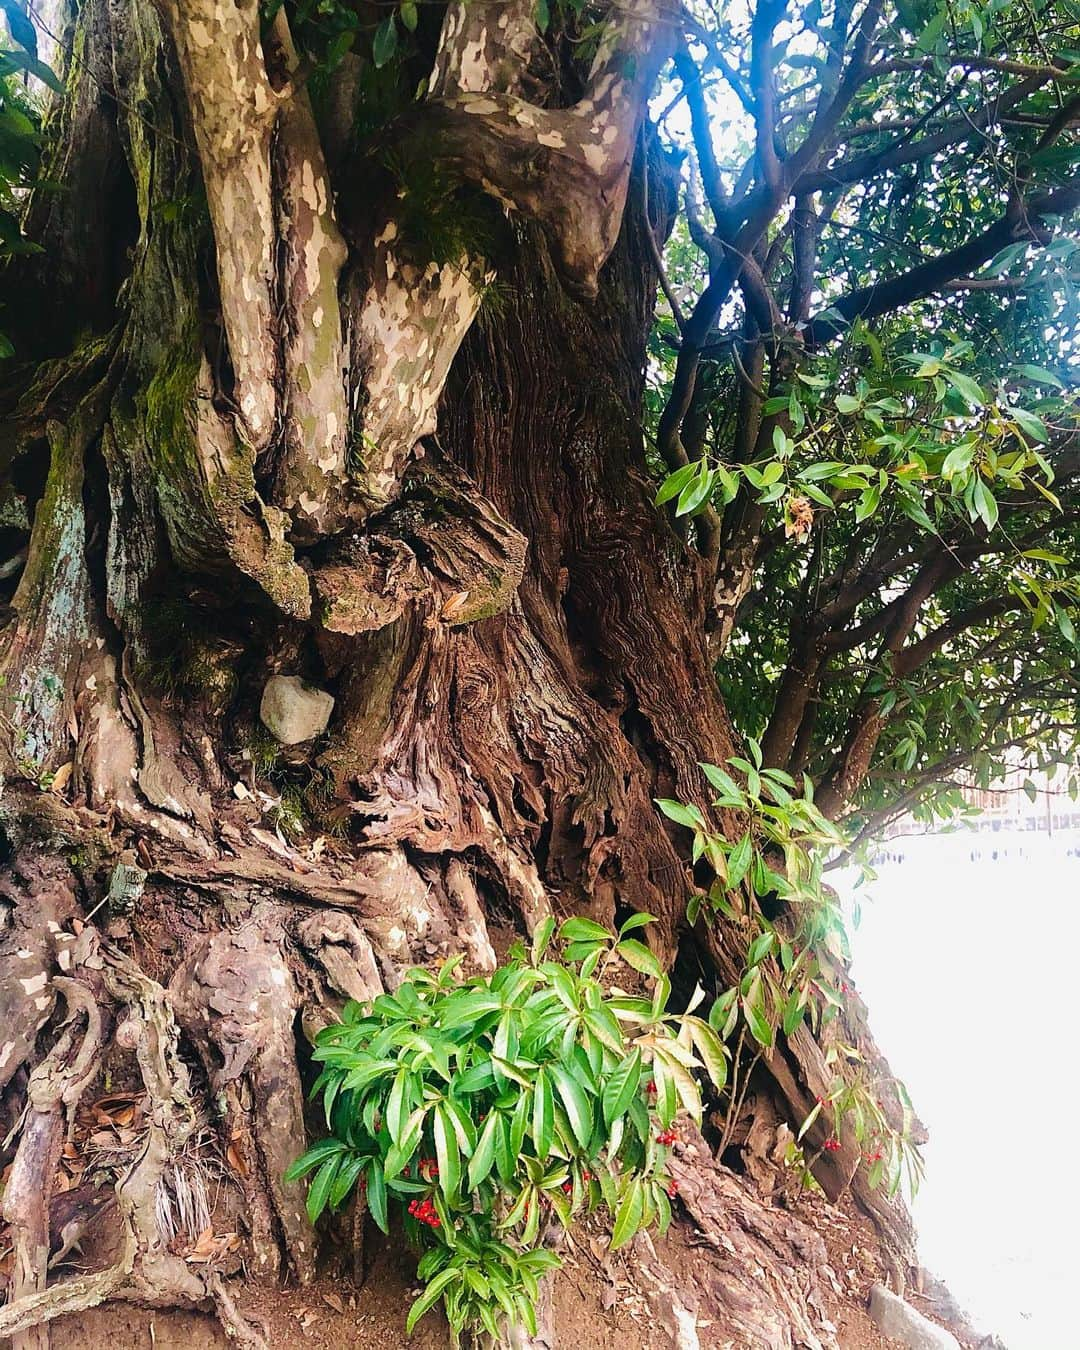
(489, 1109)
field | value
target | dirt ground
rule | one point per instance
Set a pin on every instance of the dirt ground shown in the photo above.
(595, 1307)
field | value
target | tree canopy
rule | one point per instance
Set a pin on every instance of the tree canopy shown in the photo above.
(864, 386)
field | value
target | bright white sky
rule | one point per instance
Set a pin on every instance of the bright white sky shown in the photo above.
(968, 962)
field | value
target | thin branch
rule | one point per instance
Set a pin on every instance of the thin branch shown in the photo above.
(654, 248)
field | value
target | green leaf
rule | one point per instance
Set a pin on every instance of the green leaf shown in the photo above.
(674, 483)
(846, 404)
(813, 473)
(689, 816)
(636, 954)
(583, 930)
(729, 484)
(760, 1029)
(447, 1152)
(346, 1178)
(966, 386)
(578, 1106)
(319, 1194)
(636, 921)
(385, 43)
(316, 1154)
(739, 861)
(721, 1009)
(397, 1107)
(505, 1157)
(621, 1086)
(761, 946)
(483, 1158)
(1039, 375)
(20, 27)
(711, 1050)
(400, 1153)
(808, 1122)
(1041, 555)
(1034, 428)
(723, 782)
(430, 1296)
(376, 1195)
(695, 492)
(793, 1012)
(985, 504)
(958, 459)
(409, 14)
(629, 1215)
(543, 1115)
(542, 937)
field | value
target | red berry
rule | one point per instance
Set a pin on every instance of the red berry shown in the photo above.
(831, 1145)
(673, 1190)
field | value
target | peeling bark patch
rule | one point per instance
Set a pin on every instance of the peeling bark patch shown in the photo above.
(313, 476)
(52, 606)
(404, 310)
(232, 106)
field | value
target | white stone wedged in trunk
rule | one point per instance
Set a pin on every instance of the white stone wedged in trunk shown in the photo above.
(293, 710)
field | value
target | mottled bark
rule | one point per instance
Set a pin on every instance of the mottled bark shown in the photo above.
(278, 454)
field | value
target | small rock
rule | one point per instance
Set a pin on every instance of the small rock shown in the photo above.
(126, 885)
(293, 710)
(902, 1323)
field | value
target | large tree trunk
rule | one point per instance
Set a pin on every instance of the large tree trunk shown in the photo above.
(512, 634)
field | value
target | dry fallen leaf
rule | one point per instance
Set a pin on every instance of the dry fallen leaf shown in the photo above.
(61, 778)
(236, 1161)
(207, 1247)
(454, 605)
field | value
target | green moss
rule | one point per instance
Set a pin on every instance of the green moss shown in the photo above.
(289, 815)
(182, 657)
(263, 751)
(207, 518)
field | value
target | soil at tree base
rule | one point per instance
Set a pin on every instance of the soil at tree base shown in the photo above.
(598, 1303)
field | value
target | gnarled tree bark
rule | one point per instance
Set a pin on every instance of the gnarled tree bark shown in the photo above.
(281, 452)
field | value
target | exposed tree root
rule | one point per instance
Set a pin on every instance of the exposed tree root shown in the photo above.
(767, 1289)
(124, 1014)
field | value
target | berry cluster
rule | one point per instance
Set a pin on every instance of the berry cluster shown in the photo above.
(673, 1189)
(831, 1145)
(568, 1186)
(427, 1168)
(666, 1137)
(874, 1157)
(423, 1211)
